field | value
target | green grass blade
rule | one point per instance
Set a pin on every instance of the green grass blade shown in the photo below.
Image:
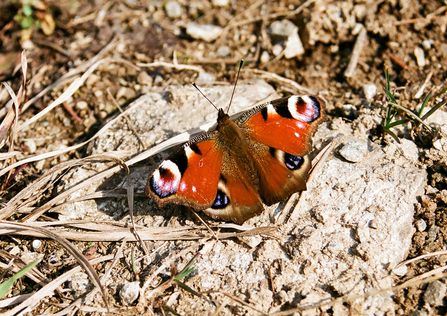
(390, 96)
(187, 288)
(5, 286)
(186, 270)
(424, 104)
(434, 109)
(396, 123)
(392, 135)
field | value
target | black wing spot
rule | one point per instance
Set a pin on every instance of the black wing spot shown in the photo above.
(195, 149)
(221, 200)
(293, 162)
(272, 151)
(283, 111)
(264, 113)
(180, 159)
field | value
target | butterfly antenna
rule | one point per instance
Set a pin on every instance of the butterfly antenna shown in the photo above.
(235, 83)
(194, 85)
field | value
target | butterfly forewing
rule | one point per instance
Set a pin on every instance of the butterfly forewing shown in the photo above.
(286, 124)
(189, 176)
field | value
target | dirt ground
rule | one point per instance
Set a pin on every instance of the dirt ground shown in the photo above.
(135, 37)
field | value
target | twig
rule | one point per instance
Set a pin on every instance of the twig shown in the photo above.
(421, 89)
(358, 48)
(428, 255)
(396, 60)
(169, 65)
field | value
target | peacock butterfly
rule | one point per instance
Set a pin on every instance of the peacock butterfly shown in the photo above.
(261, 157)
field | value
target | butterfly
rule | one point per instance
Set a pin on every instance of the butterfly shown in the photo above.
(228, 173)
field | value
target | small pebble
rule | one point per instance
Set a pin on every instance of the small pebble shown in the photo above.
(223, 51)
(421, 225)
(173, 9)
(435, 293)
(353, 151)
(144, 79)
(129, 292)
(427, 44)
(283, 28)
(433, 233)
(294, 46)
(79, 282)
(420, 56)
(370, 91)
(205, 78)
(265, 57)
(277, 49)
(30, 145)
(220, 3)
(82, 105)
(206, 32)
(401, 271)
(158, 79)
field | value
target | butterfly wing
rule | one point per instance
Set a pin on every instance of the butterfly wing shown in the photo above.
(237, 198)
(189, 176)
(206, 176)
(279, 138)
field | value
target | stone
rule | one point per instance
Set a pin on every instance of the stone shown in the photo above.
(435, 293)
(173, 9)
(355, 221)
(370, 91)
(353, 150)
(129, 292)
(420, 56)
(206, 32)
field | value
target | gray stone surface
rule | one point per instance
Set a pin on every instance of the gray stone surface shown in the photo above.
(347, 232)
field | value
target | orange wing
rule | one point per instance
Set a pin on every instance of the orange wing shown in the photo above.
(189, 176)
(279, 138)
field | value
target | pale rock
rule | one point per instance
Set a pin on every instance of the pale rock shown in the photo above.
(420, 56)
(206, 32)
(353, 150)
(129, 292)
(173, 9)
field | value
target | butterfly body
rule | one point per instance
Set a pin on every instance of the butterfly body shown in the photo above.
(259, 158)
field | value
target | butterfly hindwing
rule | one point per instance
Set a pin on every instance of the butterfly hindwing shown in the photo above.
(237, 198)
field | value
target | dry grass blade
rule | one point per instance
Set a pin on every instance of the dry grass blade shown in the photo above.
(428, 255)
(83, 262)
(89, 296)
(4, 156)
(103, 232)
(169, 65)
(17, 264)
(29, 195)
(48, 289)
(237, 299)
(6, 124)
(72, 73)
(74, 147)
